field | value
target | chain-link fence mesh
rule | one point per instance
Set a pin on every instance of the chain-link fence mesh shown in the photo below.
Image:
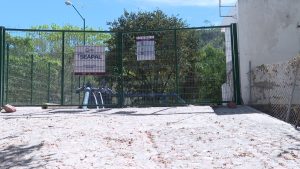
(275, 89)
(34, 62)
(33, 68)
(191, 66)
(187, 66)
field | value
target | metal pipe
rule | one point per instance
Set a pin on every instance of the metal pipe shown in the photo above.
(92, 31)
(70, 3)
(177, 64)
(83, 23)
(96, 102)
(86, 97)
(48, 86)
(7, 70)
(224, 6)
(3, 66)
(62, 69)
(292, 94)
(1, 60)
(102, 102)
(31, 79)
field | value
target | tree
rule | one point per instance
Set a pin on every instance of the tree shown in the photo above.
(208, 52)
(152, 76)
(188, 62)
(35, 63)
(211, 69)
(180, 58)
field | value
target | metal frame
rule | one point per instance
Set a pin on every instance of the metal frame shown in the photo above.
(119, 60)
(2, 64)
(224, 6)
(134, 31)
(235, 64)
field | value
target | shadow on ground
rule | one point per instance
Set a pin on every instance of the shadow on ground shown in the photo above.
(161, 112)
(296, 145)
(223, 110)
(219, 110)
(20, 156)
(135, 113)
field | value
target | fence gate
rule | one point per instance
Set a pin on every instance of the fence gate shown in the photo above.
(180, 66)
(142, 68)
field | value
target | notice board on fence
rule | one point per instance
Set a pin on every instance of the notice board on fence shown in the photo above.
(145, 48)
(89, 60)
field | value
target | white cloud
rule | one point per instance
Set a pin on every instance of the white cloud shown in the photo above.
(191, 2)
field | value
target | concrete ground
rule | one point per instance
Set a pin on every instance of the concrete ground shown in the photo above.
(162, 137)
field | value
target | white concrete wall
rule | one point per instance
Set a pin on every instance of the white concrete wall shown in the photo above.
(268, 33)
(227, 88)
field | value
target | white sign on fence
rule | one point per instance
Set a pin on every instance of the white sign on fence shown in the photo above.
(145, 48)
(89, 60)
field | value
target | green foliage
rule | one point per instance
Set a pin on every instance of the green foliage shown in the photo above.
(189, 62)
(211, 69)
(142, 20)
(189, 49)
(202, 65)
(35, 63)
(146, 77)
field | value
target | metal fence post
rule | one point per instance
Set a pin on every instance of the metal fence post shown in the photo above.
(1, 62)
(49, 82)
(62, 69)
(31, 80)
(7, 71)
(120, 69)
(177, 64)
(3, 66)
(72, 86)
(235, 64)
(290, 104)
(79, 85)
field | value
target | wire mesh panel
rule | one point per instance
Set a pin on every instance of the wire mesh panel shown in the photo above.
(149, 68)
(143, 68)
(41, 67)
(107, 78)
(275, 89)
(33, 67)
(189, 66)
(202, 65)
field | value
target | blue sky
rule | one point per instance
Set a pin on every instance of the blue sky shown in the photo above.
(28, 13)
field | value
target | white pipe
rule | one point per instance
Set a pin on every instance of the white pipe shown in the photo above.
(102, 102)
(86, 97)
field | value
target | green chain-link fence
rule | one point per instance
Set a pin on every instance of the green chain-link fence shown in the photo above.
(188, 66)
